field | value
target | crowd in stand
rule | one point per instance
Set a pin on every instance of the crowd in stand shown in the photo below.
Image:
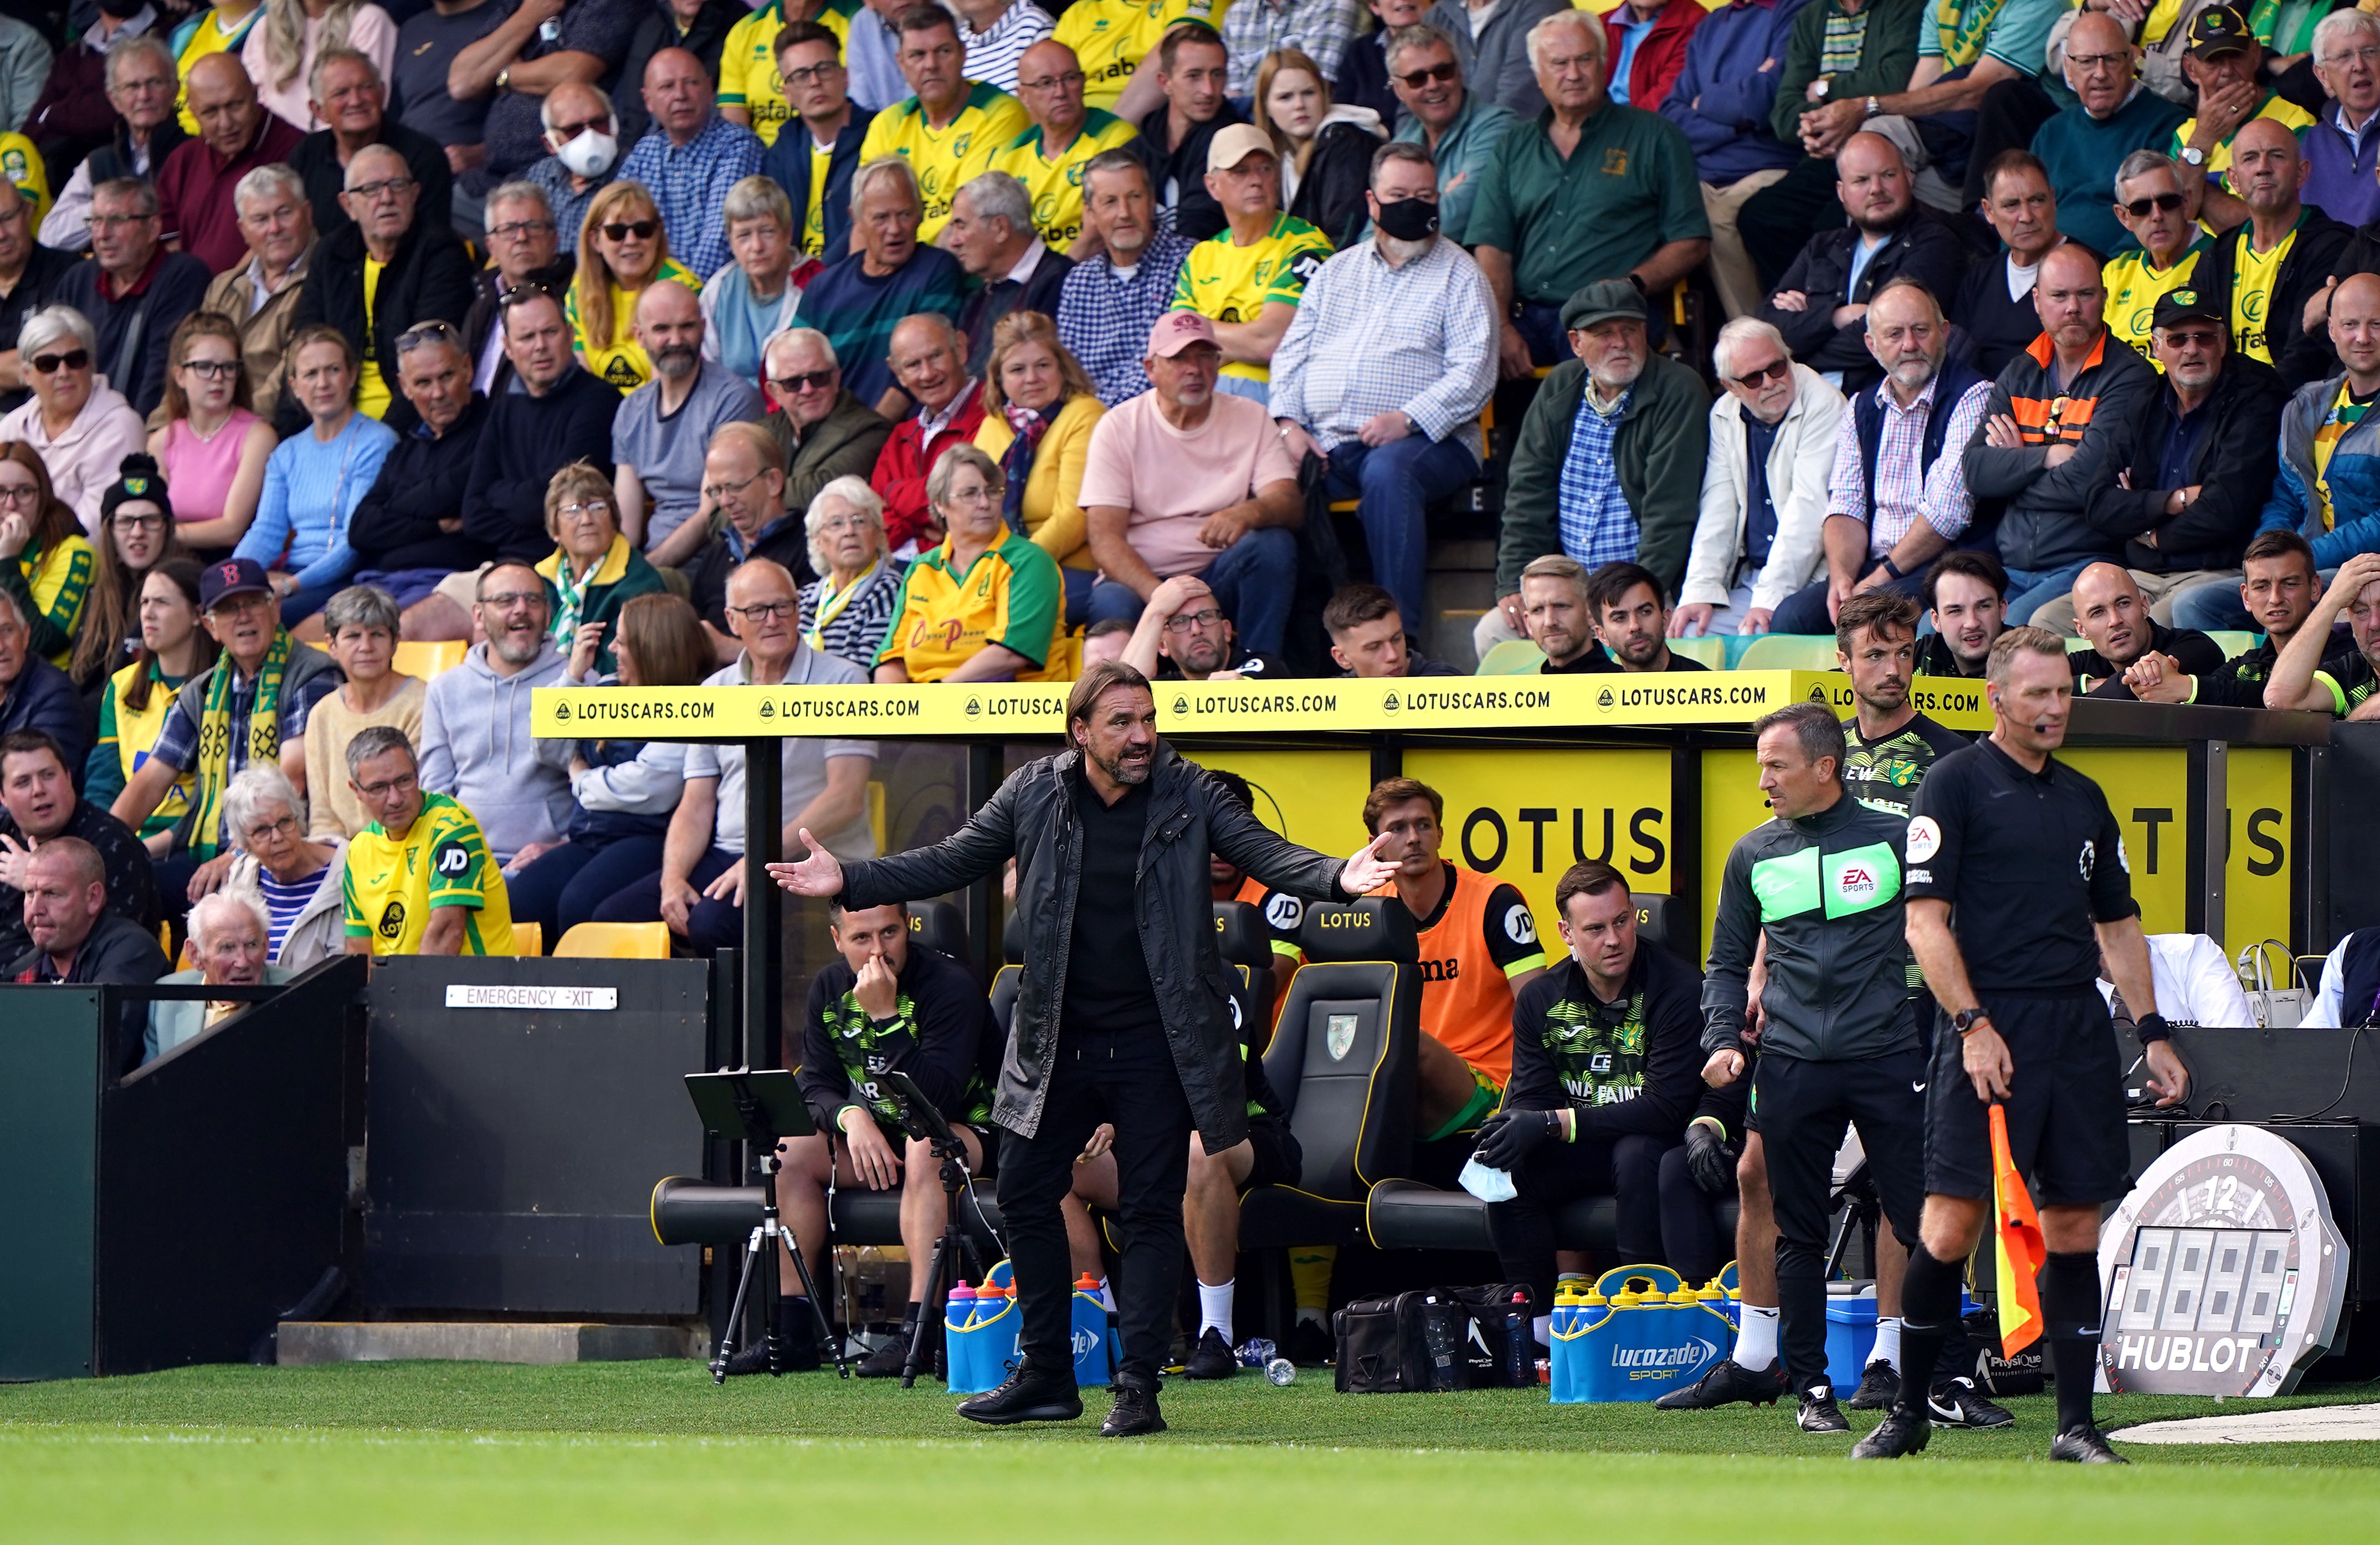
(673, 343)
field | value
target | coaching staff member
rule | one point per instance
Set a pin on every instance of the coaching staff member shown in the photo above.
(1838, 1037)
(1123, 1015)
(2015, 862)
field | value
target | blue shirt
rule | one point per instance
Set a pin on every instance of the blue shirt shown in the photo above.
(1760, 508)
(858, 312)
(311, 489)
(1103, 319)
(2181, 442)
(1597, 527)
(1631, 33)
(689, 185)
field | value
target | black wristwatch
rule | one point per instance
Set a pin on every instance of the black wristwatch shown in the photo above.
(1966, 1019)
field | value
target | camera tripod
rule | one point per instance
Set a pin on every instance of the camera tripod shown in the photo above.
(752, 1107)
(954, 1251)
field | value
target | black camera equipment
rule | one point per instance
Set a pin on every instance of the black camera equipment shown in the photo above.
(952, 1248)
(756, 1108)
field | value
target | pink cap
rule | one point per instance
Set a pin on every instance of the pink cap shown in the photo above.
(1175, 331)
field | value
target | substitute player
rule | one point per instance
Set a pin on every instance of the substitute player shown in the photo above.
(1478, 949)
(420, 879)
(1822, 880)
(2015, 864)
(1888, 746)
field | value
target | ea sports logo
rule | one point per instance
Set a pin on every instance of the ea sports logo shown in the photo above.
(1926, 839)
(1857, 883)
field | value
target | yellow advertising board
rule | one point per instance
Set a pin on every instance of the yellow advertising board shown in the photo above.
(2262, 832)
(1313, 797)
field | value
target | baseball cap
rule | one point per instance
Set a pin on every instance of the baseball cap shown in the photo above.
(1175, 331)
(2218, 30)
(1601, 301)
(2186, 305)
(1235, 144)
(231, 576)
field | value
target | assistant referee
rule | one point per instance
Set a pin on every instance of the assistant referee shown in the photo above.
(2015, 863)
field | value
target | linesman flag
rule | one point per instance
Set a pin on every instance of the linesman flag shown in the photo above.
(2018, 1228)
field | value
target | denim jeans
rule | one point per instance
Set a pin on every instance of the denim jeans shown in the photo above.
(1393, 485)
(1805, 610)
(2030, 588)
(1253, 580)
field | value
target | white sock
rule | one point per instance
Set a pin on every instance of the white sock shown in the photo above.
(1314, 1317)
(1756, 1339)
(1887, 1342)
(1543, 1327)
(1215, 1309)
(1107, 1297)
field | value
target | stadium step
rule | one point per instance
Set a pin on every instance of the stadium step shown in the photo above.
(1462, 586)
(306, 1343)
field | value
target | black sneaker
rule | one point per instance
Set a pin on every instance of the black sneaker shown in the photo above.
(746, 1360)
(1135, 1414)
(1310, 1345)
(887, 1360)
(1818, 1412)
(1727, 1382)
(1027, 1394)
(1957, 1403)
(1212, 1358)
(1879, 1387)
(1903, 1431)
(2084, 1445)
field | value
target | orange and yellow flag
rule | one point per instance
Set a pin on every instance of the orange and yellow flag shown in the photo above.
(2018, 1228)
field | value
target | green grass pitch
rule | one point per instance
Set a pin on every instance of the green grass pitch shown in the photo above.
(652, 1450)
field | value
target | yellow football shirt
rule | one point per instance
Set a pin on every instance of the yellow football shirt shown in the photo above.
(946, 157)
(392, 882)
(1056, 187)
(620, 359)
(748, 77)
(1223, 282)
(1109, 37)
(814, 214)
(2252, 274)
(2134, 288)
(1011, 595)
(2281, 111)
(207, 38)
(372, 397)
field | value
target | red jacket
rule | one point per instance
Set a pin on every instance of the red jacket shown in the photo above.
(901, 467)
(1660, 58)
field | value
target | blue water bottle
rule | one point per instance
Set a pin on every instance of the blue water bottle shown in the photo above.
(958, 1347)
(1094, 1349)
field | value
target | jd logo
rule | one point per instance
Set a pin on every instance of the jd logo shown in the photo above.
(1284, 912)
(1236, 1020)
(391, 920)
(1339, 1037)
(1519, 927)
(453, 859)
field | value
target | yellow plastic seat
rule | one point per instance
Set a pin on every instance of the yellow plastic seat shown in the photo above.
(428, 659)
(614, 942)
(1711, 651)
(529, 939)
(1787, 651)
(875, 824)
(1513, 657)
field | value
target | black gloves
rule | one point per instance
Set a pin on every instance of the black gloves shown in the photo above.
(1510, 1135)
(1710, 1160)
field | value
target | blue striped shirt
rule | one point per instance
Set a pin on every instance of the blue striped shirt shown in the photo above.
(311, 489)
(281, 904)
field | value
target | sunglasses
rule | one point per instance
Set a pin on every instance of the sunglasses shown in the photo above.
(808, 380)
(621, 230)
(1421, 77)
(2139, 208)
(72, 359)
(1776, 370)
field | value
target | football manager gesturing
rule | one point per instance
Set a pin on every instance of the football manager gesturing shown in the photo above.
(1123, 1015)
(2015, 862)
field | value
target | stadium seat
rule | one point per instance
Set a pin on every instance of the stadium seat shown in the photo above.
(2236, 641)
(1513, 657)
(429, 660)
(1711, 651)
(1787, 651)
(614, 941)
(876, 815)
(1342, 1059)
(939, 925)
(529, 939)
(1661, 921)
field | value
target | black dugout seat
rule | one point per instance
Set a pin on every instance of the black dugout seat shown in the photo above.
(939, 925)
(1342, 1059)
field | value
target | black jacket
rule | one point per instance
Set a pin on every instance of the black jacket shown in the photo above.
(2197, 654)
(134, 332)
(1196, 215)
(1032, 817)
(2312, 357)
(316, 161)
(44, 267)
(941, 1035)
(2313, 257)
(429, 277)
(525, 441)
(788, 161)
(1330, 194)
(1364, 79)
(987, 305)
(1620, 1070)
(1923, 248)
(785, 540)
(43, 698)
(113, 158)
(117, 953)
(421, 485)
(2238, 458)
(480, 320)
(131, 889)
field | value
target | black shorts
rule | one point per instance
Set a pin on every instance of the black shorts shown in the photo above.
(1279, 1161)
(2065, 1104)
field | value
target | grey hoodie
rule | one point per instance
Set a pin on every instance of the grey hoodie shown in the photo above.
(476, 748)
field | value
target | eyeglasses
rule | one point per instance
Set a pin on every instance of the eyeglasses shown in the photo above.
(2367, 55)
(110, 222)
(2139, 208)
(398, 784)
(2087, 63)
(506, 601)
(1420, 78)
(808, 380)
(138, 522)
(1181, 623)
(1776, 369)
(811, 75)
(587, 511)
(1071, 78)
(430, 332)
(518, 230)
(286, 826)
(19, 493)
(211, 369)
(72, 359)
(371, 192)
(621, 230)
(983, 493)
(835, 524)
(766, 610)
(718, 490)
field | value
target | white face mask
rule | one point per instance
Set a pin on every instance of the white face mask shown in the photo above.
(591, 155)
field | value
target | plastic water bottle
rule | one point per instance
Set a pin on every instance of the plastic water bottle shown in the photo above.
(1280, 1370)
(1512, 1354)
(1257, 1352)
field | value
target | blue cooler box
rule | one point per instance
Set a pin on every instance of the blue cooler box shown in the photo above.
(1850, 1333)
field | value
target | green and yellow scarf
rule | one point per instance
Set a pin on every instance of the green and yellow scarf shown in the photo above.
(214, 738)
(1962, 29)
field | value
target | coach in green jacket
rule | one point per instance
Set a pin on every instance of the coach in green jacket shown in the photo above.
(1609, 462)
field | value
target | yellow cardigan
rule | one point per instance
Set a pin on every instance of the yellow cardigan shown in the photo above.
(1053, 509)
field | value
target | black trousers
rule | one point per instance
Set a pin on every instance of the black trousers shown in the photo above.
(1804, 1107)
(1626, 1169)
(1691, 1244)
(2005, 120)
(1127, 1079)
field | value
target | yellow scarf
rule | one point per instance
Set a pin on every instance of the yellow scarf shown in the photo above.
(214, 738)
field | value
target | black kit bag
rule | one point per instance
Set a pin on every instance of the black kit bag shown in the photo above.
(1432, 1339)
(1996, 1375)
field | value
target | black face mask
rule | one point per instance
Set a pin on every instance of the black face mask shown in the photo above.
(1409, 219)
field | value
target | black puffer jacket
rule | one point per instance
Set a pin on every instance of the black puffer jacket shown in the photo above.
(428, 278)
(1032, 817)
